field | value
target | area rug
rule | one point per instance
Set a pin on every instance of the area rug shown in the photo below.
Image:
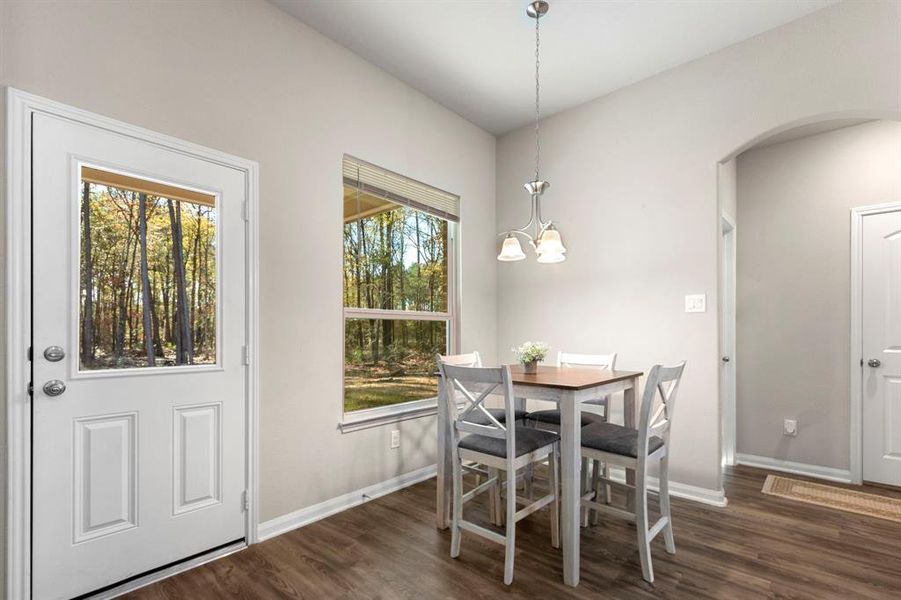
(830, 496)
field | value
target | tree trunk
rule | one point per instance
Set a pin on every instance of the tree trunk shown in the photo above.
(183, 352)
(388, 289)
(155, 319)
(146, 291)
(87, 336)
(122, 309)
(373, 330)
(359, 285)
(195, 299)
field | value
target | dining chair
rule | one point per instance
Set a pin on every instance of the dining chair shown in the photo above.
(636, 449)
(599, 411)
(551, 417)
(506, 447)
(474, 359)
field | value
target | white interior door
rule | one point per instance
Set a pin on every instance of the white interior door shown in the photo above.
(139, 440)
(881, 303)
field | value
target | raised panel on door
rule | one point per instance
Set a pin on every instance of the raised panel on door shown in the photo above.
(198, 457)
(105, 475)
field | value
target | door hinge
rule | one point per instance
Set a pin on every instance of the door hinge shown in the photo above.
(246, 355)
(245, 500)
(245, 210)
(31, 389)
(30, 354)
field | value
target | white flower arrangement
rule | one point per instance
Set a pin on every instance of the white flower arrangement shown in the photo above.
(531, 352)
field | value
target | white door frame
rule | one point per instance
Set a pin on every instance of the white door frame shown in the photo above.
(855, 418)
(728, 253)
(20, 106)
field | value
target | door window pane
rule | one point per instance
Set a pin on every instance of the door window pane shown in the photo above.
(388, 361)
(148, 273)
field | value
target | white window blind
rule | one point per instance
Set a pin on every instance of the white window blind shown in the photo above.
(394, 187)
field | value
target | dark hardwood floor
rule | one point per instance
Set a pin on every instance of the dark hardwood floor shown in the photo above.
(757, 547)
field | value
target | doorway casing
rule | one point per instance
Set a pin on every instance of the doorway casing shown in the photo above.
(727, 336)
(20, 106)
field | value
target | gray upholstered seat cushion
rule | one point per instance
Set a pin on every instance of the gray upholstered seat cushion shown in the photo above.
(527, 440)
(479, 418)
(616, 439)
(553, 417)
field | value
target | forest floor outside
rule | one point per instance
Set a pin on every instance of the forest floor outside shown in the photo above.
(371, 386)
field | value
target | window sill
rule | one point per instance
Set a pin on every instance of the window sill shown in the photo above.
(383, 415)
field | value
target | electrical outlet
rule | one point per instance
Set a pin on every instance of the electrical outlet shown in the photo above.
(395, 438)
(790, 427)
(696, 303)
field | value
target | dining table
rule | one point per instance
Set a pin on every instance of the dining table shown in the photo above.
(569, 388)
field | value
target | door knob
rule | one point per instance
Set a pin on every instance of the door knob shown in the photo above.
(54, 387)
(726, 359)
(54, 353)
(874, 362)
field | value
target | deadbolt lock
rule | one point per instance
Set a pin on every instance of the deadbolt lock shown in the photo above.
(54, 353)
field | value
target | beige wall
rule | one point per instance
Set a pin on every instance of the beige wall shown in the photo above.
(634, 189)
(245, 78)
(793, 301)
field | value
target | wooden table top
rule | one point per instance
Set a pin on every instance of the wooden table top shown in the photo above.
(569, 378)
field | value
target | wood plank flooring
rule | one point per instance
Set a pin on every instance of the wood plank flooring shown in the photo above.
(757, 547)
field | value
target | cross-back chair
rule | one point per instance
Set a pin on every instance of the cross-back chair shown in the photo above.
(501, 446)
(474, 359)
(635, 449)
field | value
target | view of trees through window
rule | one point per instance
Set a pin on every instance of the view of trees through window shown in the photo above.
(394, 260)
(148, 280)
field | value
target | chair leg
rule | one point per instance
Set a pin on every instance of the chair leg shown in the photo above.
(527, 481)
(641, 524)
(510, 545)
(583, 488)
(595, 485)
(665, 508)
(607, 490)
(458, 506)
(495, 504)
(554, 481)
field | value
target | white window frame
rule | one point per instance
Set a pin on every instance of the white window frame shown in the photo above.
(412, 409)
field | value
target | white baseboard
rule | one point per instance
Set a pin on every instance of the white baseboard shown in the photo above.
(787, 466)
(311, 514)
(680, 490)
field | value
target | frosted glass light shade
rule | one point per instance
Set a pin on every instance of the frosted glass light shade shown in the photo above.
(550, 243)
(551, 257)
(511, 250)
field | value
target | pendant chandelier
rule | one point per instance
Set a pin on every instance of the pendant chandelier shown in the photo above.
(542, 236)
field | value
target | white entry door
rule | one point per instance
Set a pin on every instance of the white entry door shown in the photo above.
(139, 381)
(881, 304)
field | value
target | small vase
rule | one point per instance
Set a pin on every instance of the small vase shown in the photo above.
(530, 367)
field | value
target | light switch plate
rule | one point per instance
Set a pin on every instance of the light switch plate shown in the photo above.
(696, 303)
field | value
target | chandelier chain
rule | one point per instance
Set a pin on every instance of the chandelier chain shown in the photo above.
(537, 95)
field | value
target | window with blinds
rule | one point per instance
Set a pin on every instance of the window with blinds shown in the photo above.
(398, 297)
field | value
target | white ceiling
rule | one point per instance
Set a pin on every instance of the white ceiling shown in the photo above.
(477, 57)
